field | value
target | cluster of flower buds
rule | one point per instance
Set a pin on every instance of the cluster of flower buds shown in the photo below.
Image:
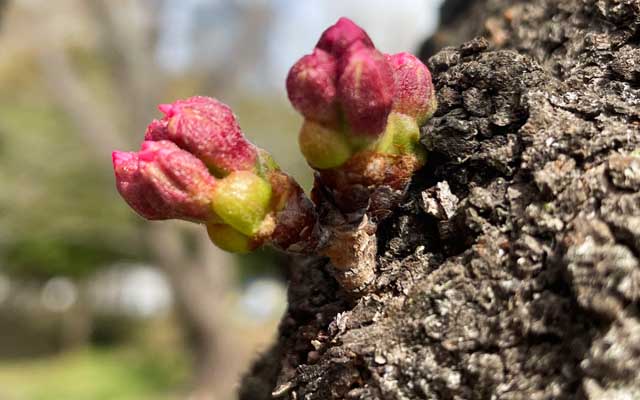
(363, 110)
(195, 164)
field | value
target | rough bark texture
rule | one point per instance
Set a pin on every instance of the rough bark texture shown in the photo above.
(512, 270)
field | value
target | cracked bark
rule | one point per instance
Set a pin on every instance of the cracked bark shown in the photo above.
(512, 269)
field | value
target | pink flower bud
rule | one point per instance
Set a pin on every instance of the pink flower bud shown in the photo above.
(208, 129)
(415, 95)
(340, 36)
(157, 129)
(130, 186)
(166, 183)
(365, 90)
(311, 86)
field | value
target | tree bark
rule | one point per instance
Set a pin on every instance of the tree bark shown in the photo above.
(512, 269)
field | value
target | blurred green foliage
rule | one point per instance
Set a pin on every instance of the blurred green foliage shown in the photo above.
(40, 257)
(116, 374)
(151, 365)
(59, 211)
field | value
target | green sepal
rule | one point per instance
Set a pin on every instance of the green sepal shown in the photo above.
(323, 147)
(401, 136)
(229, 239)
(265, 163)
(242, 200)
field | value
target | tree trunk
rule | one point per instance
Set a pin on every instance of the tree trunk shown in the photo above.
(512, 269)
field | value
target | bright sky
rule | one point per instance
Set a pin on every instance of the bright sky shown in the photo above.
(394, 26)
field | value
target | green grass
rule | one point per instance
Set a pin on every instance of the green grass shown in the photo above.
(93, 374)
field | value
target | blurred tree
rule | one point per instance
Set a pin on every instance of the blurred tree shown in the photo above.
(61, 214)
(3, 6)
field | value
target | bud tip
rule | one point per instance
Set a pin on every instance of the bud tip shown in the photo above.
(167, 109)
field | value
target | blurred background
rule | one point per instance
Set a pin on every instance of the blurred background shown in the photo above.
(95, 303)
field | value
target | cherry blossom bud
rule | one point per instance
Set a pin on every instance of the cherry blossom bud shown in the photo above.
(414, 92)
(166, 183)
(208, 129)
(340, 36)
(250, 203)
(128, 183)
(366, 90)
(311, 86)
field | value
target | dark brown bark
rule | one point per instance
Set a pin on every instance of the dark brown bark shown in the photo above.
(512, 269)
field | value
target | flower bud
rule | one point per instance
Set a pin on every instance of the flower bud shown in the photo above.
(166, 183)
(311, 86)
(208, 129)
(323, 147)
(252, 203)
(242, 200)
(414, 92)
(365, 90)
(340, 36)
(130, 186)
